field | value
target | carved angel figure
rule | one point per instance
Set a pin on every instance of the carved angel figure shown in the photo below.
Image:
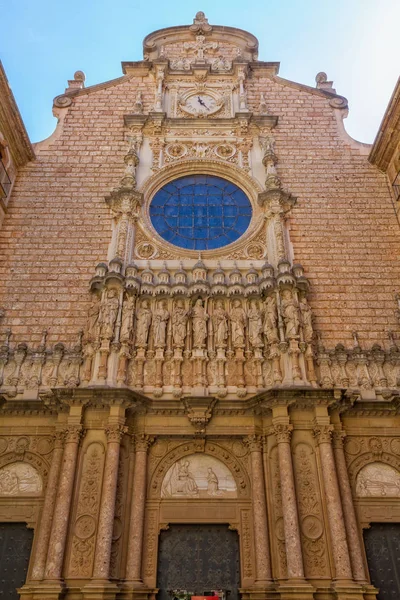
(93, 318)
(127, 317)
(290, 314)
(199, 319)
(238, 324)
(306, 317)
(161, 317)
(220, 324)
(270, 320)
(143, 321)
(255, 325)
(179, 322)
(108, 314)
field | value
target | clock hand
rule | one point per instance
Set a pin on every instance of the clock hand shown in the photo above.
(202, 102)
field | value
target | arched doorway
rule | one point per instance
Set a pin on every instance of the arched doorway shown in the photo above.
(198, 560)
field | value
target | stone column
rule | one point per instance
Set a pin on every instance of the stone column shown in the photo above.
(291, 526)
(341, 558)
(101, 569)
(350, 520)
(55, 554)
(39, 563)
(136, 527)
(260, 522)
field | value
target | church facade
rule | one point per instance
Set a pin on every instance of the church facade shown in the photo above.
(199, 366)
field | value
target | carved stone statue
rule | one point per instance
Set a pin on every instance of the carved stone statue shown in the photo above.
(161, 316)
(238, 324)
(271, 320)
(212, 483)
(108, 314)
(220, 324)
(127, 317)
(255, 325)
(306, 318)
(143, 321)
(93, 318)
(290, 314)
(179, 322)
(199, 319)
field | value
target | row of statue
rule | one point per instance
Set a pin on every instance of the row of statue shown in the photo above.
(246, 324)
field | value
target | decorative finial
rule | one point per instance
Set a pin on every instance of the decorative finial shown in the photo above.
(200, 23)
(263, 105)
(355, 339)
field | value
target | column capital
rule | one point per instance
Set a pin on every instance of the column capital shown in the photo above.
(143, 442)
(338, 438)
(73, 434)
(282, 432)
(323, 433)
(59, 438)
(254, 442)
(115, 433)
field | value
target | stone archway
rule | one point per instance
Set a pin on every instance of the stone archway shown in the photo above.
(195, 483)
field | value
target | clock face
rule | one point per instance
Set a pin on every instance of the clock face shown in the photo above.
(200, 104)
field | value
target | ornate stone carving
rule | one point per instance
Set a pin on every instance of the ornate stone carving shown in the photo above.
(19, 479)
(83, 539)
(282, 432)
(323, 434)
(311, 519)
(378, 479)
(115, 433)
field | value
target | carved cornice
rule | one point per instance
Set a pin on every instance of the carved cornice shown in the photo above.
(12, 126)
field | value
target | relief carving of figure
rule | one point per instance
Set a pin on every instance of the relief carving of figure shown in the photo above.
(161, 316)
(255, 325)
(270, 320)
(306, 317)
(143, 321)
(220, 324)
(179, 322)
(108, 314)
(238, 324)
(19, 478)
(127, 317)
(180, 481)
(93, 318)
(199, 318)
(212, 483)
(290, 314)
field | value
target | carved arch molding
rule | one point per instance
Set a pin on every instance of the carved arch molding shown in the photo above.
(159, 468)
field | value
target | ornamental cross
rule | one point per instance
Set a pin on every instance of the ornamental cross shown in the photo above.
(200, 46)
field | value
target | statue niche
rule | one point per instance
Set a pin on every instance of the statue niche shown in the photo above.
(198, 476)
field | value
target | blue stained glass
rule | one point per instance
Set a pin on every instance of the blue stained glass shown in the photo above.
(200, 212)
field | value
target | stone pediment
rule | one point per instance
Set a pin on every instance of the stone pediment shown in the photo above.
(201, 43)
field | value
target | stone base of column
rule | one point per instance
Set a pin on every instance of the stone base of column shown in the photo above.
(296, 590)
(370, 592)
(136, 591)
(100, 590)
(267, 592)
(352, 591)
(45, 590)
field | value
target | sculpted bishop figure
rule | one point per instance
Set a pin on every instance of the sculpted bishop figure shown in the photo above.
(108, 314)
(179, 323)
(199, 319)
(255, 325)
(220, 324)
(238, 324)
(270, 320)
(127, 318)
(161, 317)
(290, 314)
(143, 321)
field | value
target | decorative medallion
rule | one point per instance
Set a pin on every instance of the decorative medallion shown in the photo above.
(145, 250)
(225, 151)
(85, 527)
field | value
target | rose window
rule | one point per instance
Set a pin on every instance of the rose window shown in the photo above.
(200, 212)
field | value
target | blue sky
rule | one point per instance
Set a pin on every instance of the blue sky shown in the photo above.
(356, 42)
